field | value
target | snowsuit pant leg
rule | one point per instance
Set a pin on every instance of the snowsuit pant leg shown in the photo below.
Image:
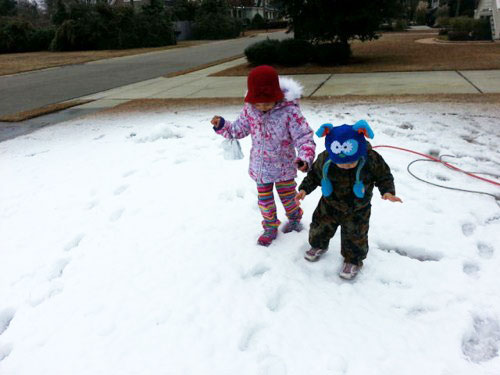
(354, 236)
(354, 231)
(323, 226)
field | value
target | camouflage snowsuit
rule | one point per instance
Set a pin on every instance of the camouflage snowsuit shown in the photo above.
(343, 208)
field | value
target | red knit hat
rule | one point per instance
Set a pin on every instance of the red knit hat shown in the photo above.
(263, 85)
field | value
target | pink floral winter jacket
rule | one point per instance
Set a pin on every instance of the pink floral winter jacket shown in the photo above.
(275, 136)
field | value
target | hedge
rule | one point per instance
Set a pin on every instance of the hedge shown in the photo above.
(263, 52)
(18, 35)
(95, 27)
(294, 52)
(466, 28)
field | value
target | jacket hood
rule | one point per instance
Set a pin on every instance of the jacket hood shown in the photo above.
(290, 88)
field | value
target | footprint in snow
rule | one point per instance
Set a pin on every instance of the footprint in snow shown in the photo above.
(471, 269)
(44, 292)
(116, 215)
(485, 251)
(99, 137)
(129, 173)
(256, 271)
(248, 336)
(6, 317)
(58, 268)
(75, 242)
(468, 229)
(5, 350)
(394, 283)
(275, 302)
(92, 204)
(482, 343)
(120, 189)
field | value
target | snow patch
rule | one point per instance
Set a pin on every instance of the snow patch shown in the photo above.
(159, 132)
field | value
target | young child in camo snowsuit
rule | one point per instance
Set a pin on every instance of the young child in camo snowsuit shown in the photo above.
(347, 172)
(272, 117)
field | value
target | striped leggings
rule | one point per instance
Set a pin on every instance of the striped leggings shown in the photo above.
(287, 192)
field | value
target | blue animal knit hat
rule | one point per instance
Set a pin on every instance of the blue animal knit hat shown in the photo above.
(345, 144)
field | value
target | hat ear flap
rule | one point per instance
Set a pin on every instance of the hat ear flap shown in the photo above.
(324, 130)
(362, 127)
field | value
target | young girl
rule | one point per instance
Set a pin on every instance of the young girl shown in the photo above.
(272, 117)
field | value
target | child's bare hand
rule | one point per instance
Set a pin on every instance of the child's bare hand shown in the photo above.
(392, 198)
(215, 121)
(301, 165)
(300, 196)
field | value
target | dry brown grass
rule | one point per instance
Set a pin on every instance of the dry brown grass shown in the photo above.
(173, 105)
(26, 115)
(252, 33)
(12, 63)
(398, 52)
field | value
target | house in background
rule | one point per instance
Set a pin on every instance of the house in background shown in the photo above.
(490, 9)
(261, 7)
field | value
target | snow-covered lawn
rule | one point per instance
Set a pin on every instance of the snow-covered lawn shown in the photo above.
(128, 246)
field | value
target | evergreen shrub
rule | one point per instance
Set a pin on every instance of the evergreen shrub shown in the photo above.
(263, 52)
(294, 52)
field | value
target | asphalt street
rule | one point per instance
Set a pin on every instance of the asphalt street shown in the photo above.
(35, 89)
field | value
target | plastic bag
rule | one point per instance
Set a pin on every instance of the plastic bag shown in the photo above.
(232, 149)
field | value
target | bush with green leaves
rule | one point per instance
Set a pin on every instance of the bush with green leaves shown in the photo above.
(7, 8)
(481, 30)
(338, 20)
(263, 52)
(294, 52)
(258, 22)
(101, 26)
(400, 25)
(213, 21)
(467, 28)
(18, 35)
(14, 35)
(184, 10)
(442, 22)
(41, 38)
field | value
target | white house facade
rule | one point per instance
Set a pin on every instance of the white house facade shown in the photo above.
(490, 9)
(261, 7)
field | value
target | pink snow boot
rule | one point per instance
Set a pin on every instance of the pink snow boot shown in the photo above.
(268, 236)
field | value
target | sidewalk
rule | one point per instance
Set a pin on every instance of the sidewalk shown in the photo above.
(199, 84)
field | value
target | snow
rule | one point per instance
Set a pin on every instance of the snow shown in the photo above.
(128, 246)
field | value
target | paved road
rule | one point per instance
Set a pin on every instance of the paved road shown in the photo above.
(30, 90)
